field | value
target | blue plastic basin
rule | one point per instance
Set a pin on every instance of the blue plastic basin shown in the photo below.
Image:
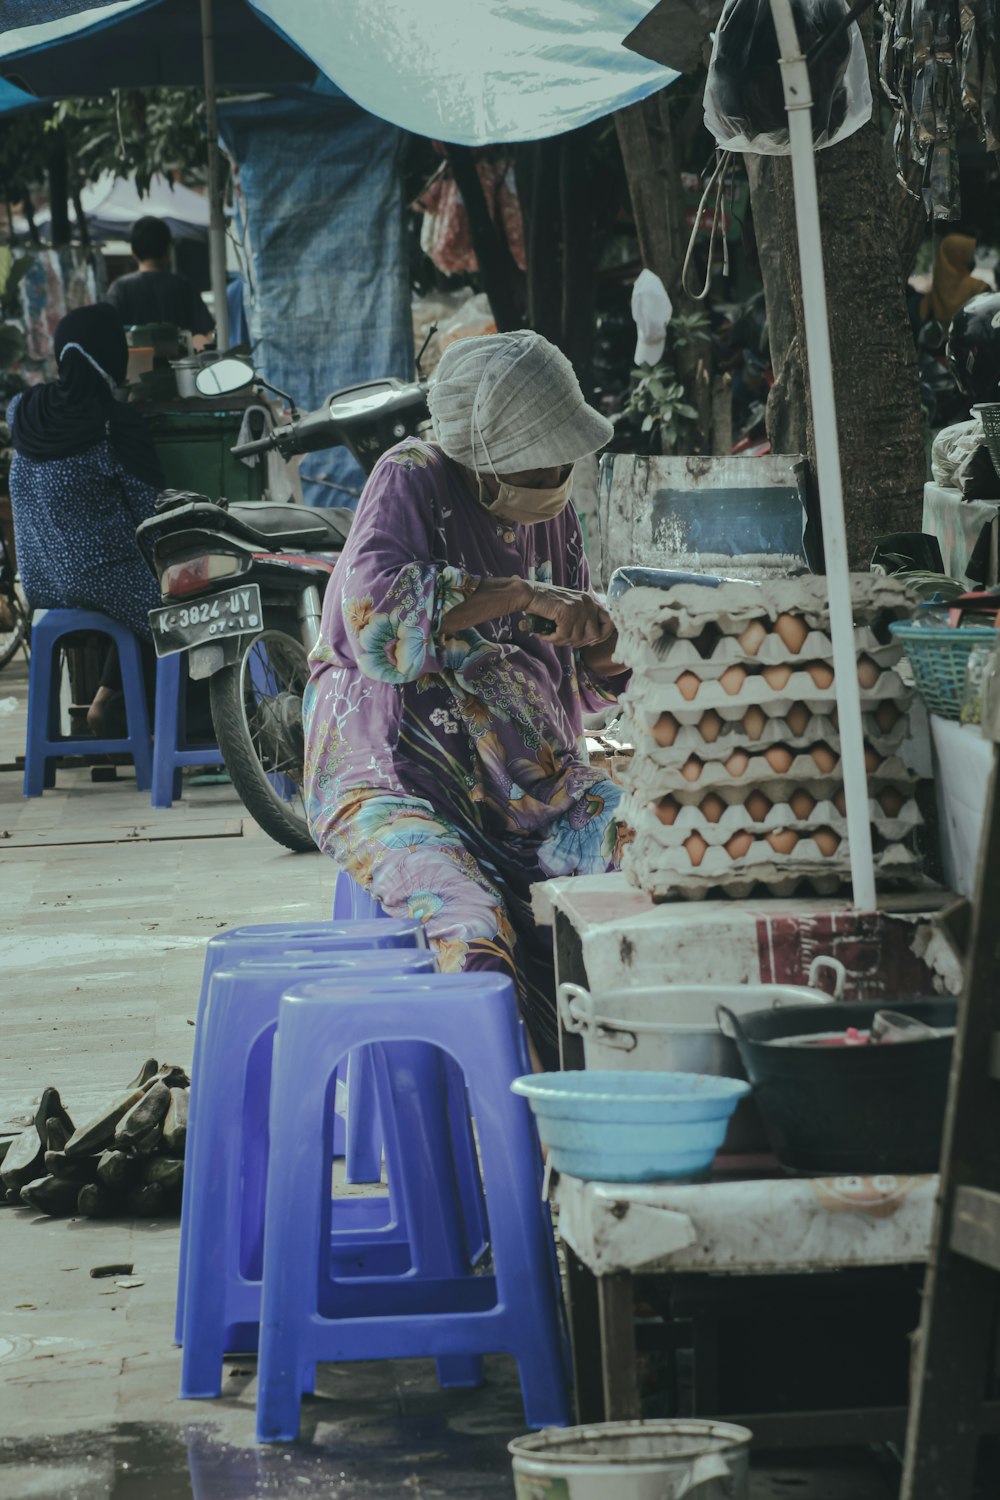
(631, 1127)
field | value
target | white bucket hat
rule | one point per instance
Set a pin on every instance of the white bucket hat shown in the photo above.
(511, 401)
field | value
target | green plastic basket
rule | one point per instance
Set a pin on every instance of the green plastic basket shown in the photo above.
(938, 658)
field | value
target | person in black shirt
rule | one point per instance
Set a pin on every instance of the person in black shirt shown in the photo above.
(154, 293)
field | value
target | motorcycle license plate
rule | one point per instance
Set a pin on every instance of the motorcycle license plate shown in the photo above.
(230, 612)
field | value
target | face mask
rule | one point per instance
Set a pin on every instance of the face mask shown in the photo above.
(525, 507)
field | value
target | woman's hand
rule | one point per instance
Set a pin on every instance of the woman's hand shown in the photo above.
(578, 618)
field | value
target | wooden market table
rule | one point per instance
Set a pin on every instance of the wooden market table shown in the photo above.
(745, 1231)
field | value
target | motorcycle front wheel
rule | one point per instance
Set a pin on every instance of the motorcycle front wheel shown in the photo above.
(15, 622)
(257, 713)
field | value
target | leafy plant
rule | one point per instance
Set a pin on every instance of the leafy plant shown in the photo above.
(657, 397)
(135, 133)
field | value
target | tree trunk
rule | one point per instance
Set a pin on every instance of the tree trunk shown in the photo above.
(59, 192)
(496, 264)
(874, 360)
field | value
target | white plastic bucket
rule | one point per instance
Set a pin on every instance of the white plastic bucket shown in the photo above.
(662, 1460)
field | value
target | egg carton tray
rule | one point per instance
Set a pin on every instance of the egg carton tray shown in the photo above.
(820, 730)
(664, 878)
(648, 781)
(645, 699)
(679, 654)
(644, 615)
(643, 818)
(655, 688)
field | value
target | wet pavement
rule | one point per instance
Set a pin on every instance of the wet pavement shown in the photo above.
(105, 907)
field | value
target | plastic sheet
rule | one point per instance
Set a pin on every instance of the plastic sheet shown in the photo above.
(325, 282)
(744, 99)
(479, 74)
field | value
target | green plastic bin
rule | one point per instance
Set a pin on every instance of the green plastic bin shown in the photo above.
(194, 451)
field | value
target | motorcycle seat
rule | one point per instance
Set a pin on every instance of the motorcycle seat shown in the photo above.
(311, 528)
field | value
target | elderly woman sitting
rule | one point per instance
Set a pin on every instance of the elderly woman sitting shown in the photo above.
(445, 767)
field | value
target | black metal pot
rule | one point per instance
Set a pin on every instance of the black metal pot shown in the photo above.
(861, 1110)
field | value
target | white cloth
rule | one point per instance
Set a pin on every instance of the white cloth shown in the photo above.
(652, 310)
(510, 401)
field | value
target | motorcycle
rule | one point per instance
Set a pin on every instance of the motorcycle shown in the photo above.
(242, 587)
(15, 611)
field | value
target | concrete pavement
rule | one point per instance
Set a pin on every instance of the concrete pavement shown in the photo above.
(105, 907)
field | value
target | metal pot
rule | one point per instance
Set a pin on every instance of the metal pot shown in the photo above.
(672, 1028)
(186, 370)
(851, 1110)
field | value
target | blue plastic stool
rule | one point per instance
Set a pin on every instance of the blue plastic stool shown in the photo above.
(44, 741)
(363, 1135)
(273, 940)
(171, 751)
(363, 1143)
(226, 1160)
(309, 1316)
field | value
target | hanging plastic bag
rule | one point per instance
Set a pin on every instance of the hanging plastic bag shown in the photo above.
(744, 98)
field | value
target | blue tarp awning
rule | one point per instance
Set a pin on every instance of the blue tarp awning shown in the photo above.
(470, 72)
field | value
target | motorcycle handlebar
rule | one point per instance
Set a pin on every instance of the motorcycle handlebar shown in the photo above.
(258, 445)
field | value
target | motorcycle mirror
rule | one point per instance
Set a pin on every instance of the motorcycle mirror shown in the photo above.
(223, 377)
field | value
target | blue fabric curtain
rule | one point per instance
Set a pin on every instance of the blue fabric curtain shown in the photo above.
(326, 285)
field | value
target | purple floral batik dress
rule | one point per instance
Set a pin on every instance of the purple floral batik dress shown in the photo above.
(447, 774)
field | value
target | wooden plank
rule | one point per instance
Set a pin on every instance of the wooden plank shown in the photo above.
(958, 1322)
(995, 1056)
(585, 1338)
(975, 1226)
(854, 1427)
(616, 1305)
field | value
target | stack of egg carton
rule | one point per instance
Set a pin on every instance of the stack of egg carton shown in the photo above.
(735, 781)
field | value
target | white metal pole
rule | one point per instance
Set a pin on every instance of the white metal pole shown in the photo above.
(217, 218)
(798, 102)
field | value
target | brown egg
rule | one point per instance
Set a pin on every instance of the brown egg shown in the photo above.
(890, 800)
(691, 769)
(783, 840)
(667, 810)
(713, 807)
(868, 672)
(732, 680)
(689, 685)
(758, 806)
(753, 637)
(695, 846)
(827, 842)
(801, 804)
(776, 677)
(824, 757)
(840, 803)
(797, 719)
(739, 845)
(821, 674)
(665, 729)
(886, 715)
(793, 632)
(737, 763)
(872, 759)
(710, 726)
(778, 758)
(754, 722)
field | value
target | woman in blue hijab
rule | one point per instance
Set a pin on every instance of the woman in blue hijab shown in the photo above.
(84, 474)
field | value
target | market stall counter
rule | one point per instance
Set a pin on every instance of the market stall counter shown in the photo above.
(751, 1250)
